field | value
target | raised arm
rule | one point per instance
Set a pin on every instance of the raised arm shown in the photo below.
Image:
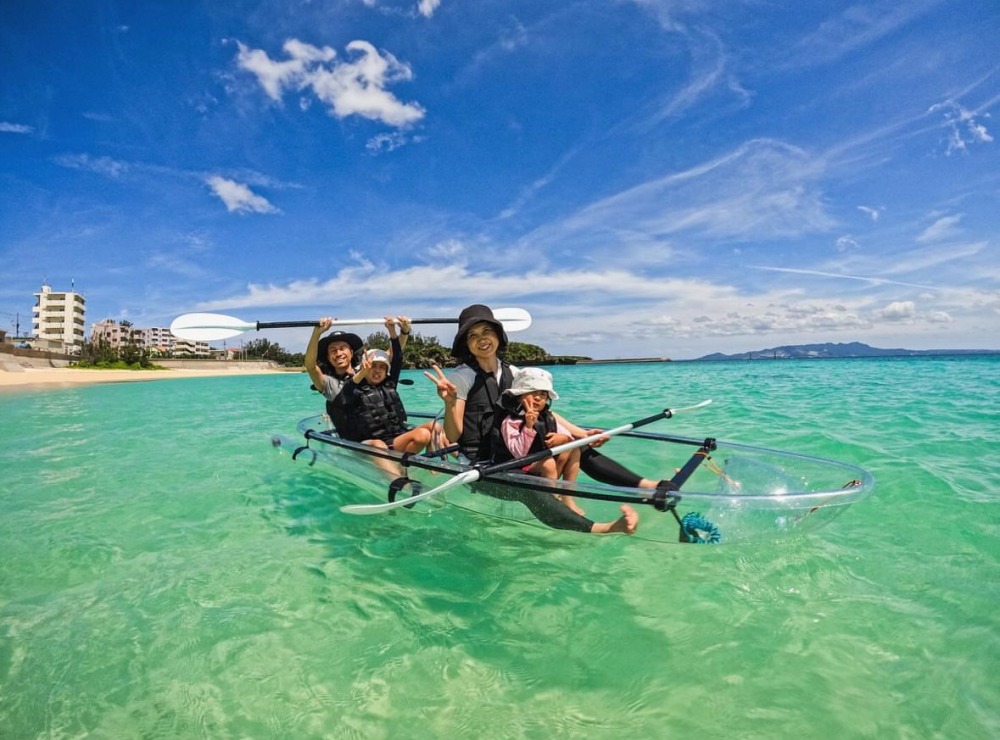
(404, 329)
(454, 407)
(312, 350)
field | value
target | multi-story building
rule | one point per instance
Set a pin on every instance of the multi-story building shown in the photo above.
(59, 317)
(113, 333)
(158, 340)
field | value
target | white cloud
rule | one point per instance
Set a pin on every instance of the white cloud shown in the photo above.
(15, 128)
(238, 197)
(873, 213)
(897, 311)
(427, 7)
(763, 189)
(941, 229)
(846, 242)
(962, 126)
(356, 87)
(386, 142)
(101, 165)
(854, 26)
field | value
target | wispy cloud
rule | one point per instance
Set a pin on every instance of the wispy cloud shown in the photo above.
(855, 27)
(356, 87)
(872, 213)
(15, 128)
(943, 228)
(964, 126)
(106, 166)
(763, 189)
(839, 276)
(238, 197)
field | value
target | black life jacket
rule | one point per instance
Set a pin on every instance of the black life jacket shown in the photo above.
(337, 409)
(482, 409)
(545, 425)
(375, 411)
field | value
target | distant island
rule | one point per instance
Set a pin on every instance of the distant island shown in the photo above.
(839, 350)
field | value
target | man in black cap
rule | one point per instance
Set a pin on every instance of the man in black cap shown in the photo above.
(330, 362)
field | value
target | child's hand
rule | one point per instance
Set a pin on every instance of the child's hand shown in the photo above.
(530, 418)
(553, 439)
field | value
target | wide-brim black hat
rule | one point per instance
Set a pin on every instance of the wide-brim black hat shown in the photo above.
(352, 340)
(469, 317)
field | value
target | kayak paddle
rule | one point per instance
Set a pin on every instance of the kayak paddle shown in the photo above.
(474, 474)
(208, 327)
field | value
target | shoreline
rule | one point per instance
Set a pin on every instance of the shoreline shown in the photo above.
(55, 378)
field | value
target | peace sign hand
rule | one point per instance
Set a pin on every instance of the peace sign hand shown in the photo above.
(445, 388)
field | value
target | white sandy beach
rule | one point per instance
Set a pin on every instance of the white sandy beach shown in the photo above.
(36, 378)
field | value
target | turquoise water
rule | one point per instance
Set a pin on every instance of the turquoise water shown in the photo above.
(164, 574)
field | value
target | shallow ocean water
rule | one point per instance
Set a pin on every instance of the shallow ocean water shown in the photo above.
(164, 574)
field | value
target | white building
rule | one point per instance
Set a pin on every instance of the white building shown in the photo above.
(113, 333)
(158, 340)
(59, 317)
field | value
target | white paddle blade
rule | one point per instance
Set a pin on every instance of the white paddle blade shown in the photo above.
(208, 327)
(701, 405)
(513, 319)
(469, 476)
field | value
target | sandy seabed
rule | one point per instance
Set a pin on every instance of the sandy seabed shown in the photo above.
(34, 379)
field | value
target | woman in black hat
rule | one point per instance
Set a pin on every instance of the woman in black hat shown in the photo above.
(472, 393)
(331, 362)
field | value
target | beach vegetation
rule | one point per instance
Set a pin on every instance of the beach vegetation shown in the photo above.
(420, 352)
(100, 353)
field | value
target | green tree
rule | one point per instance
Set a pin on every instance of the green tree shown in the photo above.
(520, 353)
(420, 351)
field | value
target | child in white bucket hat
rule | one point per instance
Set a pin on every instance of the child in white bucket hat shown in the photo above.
(533, 427)
(376, 411)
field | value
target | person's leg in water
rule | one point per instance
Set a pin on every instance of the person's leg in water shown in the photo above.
(605, 470)
(556, 467)
(413, 441)
(568, 464)
(386, 464)
(554, 513)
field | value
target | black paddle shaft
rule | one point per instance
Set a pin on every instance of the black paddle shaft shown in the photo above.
(296, 324)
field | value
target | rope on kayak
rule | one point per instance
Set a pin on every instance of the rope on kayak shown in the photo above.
(812, 510)
(694, 528)
(699, 530)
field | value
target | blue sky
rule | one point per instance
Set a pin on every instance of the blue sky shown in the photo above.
(648, 178)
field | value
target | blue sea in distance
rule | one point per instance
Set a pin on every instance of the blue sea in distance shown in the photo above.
(165, 574)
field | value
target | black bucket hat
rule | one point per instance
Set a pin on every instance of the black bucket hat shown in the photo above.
(469, 317)
(352, 340)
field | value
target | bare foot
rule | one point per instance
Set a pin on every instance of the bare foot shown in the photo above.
(572, 505)
(625, 524)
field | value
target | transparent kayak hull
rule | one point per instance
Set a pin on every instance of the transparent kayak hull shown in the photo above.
(736, 493)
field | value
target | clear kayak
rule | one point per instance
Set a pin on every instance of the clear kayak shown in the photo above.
(727, 492)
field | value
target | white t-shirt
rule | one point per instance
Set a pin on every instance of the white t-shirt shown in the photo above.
(464, 376)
